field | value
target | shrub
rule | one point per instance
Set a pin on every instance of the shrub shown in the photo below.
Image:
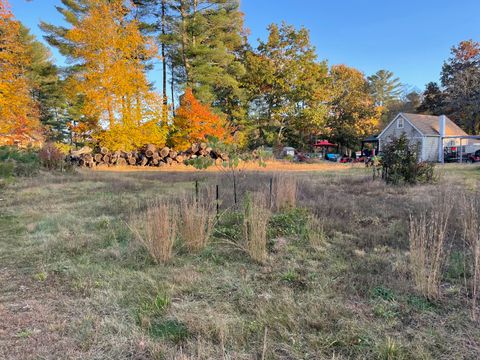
(400, 163)
(156, 230)
(18, 162)
(427, 247)
(197, 224)
(51, 157)
(255, 224)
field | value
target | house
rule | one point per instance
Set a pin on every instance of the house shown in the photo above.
(431, 133)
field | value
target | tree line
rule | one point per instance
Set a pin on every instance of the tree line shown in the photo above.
(213, 81)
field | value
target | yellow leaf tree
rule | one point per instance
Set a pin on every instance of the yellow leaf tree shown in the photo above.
(19, 121)
(112, 80)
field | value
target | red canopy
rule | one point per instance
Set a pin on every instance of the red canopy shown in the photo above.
(324, 143)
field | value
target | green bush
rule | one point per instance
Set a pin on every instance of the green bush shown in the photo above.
(18, 162)
(400, 163)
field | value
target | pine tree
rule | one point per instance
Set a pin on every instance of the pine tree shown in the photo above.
(206, 56)
(433, 100)
(18, 110)
(47, 87)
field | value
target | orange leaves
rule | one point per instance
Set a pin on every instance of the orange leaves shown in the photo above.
(194, 121)
(18, 112)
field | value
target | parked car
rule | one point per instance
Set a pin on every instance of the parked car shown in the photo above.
(475, 157)
(333, 157)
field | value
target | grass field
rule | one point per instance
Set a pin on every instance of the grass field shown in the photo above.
(75, 284)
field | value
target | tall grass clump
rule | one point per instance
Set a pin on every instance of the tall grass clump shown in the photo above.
(197, 224)
(156, 230)
(284, 192)
(427, 235)
(255, 224)
(471, 234)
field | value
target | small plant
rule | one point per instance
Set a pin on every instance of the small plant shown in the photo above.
(197, 224)
(316, 233)
(255, 224)
(427, 247)
(157, 230)
(390, 350)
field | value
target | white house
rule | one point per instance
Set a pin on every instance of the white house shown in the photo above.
(431, 133)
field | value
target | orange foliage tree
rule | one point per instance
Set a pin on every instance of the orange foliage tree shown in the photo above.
(19, 117)
(194, 122)
(113, 82)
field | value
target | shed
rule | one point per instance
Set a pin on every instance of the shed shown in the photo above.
(430, 133)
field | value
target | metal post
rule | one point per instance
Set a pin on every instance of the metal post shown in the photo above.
(217, 192)
(271, 192)
(196, 191)
(461, 151)
(234, 190)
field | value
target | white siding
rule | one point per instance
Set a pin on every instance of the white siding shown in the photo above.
(430, 148)
(392, 130)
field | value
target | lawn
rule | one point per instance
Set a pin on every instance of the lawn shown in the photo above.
(76, 284)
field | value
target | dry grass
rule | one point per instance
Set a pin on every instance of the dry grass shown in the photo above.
(284, 192)
(427, 236)
(156, 230)
(255, 223)
(197, 224)
(63, 239)
(470, 207)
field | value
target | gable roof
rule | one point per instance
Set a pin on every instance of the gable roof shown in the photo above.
(429, 125)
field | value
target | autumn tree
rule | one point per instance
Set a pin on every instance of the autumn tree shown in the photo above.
(461, 82)
(195, 122)
(109, 78)
(353, 113)
(18, 110)
(287, 87)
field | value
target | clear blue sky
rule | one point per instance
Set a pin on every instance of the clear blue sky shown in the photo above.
(410, 38)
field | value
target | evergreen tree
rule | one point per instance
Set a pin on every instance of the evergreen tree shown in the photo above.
(206, 52)
(47, 87)
(433, 100)
(385, 87)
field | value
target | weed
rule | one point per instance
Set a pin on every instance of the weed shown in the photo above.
(158, 230)
(255, 223)
(291, 223)
(390, 350)
(168, 329)
(427, 246)
(383, 293)
(284, 192)
(197, 224)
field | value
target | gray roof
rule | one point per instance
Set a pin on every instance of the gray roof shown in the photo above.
(429, 125)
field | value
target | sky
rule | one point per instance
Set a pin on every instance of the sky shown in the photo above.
(410, 38)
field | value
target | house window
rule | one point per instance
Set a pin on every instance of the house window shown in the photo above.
(400, 123)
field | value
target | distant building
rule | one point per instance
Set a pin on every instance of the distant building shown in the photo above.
(430, 133)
